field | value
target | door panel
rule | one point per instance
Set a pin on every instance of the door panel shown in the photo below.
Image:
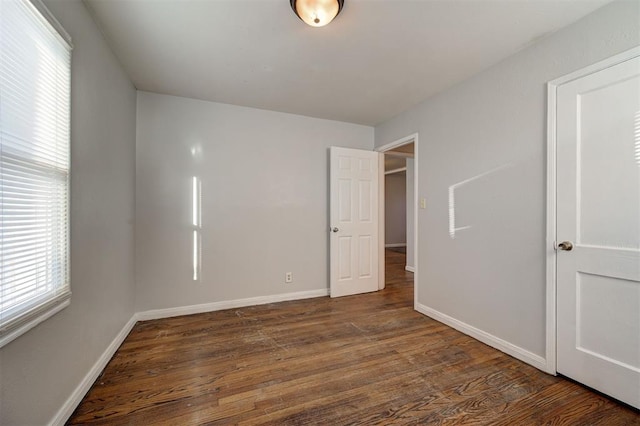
(598, 209)
(609, 203)
(354, 221)
(594, 321)
(366, 254)
(344, 257)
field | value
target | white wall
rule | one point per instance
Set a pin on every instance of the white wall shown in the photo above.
(410, 212)
(42, 368)
(492, 275)
(395, 212)
(264, 200)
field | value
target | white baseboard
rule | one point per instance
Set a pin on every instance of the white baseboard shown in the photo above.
(80, 391)
(228, 304)
(409, 268)
(495, 342)
(395, 245)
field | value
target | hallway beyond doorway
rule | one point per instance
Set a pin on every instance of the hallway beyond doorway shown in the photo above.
(395, 259)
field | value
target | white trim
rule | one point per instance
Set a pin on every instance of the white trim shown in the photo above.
(552, 87)
(393, 171)
(228, 304)
(51, 20)
(381, 222)
(392, 245)
(399, 142)
(89, 379)
(495, 342)
(28, 320)
(416, 221)
(598, 66)
(410, 268)
(550, 352)
(386, 147)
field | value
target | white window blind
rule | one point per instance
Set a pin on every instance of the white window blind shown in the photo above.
(35, 62)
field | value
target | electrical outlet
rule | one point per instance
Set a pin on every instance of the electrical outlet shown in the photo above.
(423, 203)
(288, 277)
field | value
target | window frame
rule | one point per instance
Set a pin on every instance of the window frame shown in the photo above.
(42, 307)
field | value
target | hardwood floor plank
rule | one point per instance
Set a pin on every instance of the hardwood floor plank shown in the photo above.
(358, 360)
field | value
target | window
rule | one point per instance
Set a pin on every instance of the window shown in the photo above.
(35, 72)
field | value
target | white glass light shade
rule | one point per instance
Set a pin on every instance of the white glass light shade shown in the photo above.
(317, 13)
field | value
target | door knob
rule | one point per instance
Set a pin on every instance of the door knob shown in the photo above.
(335, 230)
(566, 246)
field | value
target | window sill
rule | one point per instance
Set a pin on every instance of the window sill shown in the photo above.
(29, 320)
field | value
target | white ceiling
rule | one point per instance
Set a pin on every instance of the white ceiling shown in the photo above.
(375, 60)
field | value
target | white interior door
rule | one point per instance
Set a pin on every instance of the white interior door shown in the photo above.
(598, 212)
(353, 221)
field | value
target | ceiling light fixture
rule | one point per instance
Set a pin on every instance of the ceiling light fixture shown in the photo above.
(317, 13)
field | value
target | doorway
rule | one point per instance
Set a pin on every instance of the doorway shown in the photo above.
(398, 167)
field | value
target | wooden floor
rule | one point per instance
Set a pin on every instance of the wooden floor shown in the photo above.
(367, 359)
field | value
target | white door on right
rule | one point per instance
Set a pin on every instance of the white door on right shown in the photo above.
(598, 230)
